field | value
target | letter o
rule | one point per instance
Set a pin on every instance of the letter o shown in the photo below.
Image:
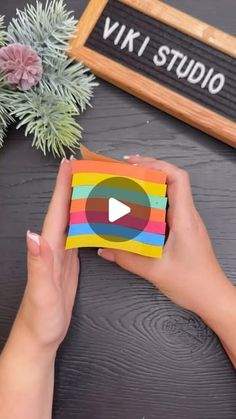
(212, 87)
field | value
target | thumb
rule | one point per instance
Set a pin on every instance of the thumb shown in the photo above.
(140, 265)
(39, 258)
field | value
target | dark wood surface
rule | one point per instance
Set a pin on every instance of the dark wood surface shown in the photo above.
(130, 353)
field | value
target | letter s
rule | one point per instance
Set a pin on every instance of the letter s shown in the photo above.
(161, 58)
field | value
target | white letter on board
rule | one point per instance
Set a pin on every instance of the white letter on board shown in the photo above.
(207, 78)
(181, 74)
(176, 54)
(144, 46)
(220, 78)
(108, 29)
(119, 35)
(160, 59)
(197, 73)
(129, 40)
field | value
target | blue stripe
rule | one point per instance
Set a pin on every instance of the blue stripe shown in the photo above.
(117, 231)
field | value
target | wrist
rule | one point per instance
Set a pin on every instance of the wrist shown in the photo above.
(22, 344)
(219, 308)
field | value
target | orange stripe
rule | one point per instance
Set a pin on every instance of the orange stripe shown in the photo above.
(78, 205)
(149, 175)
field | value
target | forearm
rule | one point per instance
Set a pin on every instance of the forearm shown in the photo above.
(220, 315)
(26, 379)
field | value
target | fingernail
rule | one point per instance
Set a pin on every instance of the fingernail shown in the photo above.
(132, 156)
(34, 237)
(72, 157)
(106, 254)
(34, 246)
(64, 160)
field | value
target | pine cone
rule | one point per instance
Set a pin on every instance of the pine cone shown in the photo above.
(21, 65)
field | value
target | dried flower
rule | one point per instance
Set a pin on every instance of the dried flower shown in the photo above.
(21, 65)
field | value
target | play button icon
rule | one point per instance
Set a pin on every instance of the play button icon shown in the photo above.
(117, 210)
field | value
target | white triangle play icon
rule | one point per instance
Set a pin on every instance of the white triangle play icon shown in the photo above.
(117, 210)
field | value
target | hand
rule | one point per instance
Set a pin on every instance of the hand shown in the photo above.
(28, 359)
(46, 309)
(188, 272)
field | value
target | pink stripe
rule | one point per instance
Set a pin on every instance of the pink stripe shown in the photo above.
(129, 221)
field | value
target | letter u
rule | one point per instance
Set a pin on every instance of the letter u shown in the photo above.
(184, 73)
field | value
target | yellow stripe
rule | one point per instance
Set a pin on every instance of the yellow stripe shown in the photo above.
(87, 179)
(129, 245)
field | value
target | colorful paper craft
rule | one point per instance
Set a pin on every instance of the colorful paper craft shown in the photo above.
(89, 225)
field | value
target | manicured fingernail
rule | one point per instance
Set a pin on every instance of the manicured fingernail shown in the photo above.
(64, 160)
(133, 156)
(34, 237)
(106, 254)
(34, 243)
(72, 157)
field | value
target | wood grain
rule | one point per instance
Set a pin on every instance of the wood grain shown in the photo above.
(130, 353)
(87, 22)
(187, 24)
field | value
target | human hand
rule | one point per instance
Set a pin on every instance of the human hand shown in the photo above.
(28, 358)
(188, 272)
(45, 312)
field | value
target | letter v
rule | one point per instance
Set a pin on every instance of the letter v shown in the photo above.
(108, 29)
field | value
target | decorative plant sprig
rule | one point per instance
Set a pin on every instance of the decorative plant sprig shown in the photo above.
(3, 34)
(4, 111)
(50, 119)
(70, 80)
(45, 28)
(41, 86)
(5, 108)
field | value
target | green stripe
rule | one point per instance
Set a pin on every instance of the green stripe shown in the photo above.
(105, 192)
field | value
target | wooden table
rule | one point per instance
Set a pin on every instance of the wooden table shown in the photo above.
(130, 353)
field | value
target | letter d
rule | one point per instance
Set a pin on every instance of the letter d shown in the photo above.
(197, 73)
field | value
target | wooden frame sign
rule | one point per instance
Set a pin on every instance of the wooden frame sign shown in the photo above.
(164, 57)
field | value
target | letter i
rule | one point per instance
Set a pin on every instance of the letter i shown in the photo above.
(144, 46)
(119, 35)
(207, 78)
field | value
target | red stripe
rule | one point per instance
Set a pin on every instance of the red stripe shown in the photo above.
(79, 205)
(127, 221)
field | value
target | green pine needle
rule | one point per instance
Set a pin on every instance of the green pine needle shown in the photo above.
(5, 108)
(45, 28)
(3, 34)
(70, 80)
(50, 119)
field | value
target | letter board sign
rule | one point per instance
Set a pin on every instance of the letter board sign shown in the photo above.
(165, 57)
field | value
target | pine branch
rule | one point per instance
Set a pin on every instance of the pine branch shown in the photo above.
(6, 96)
(69, 80)
(48, 111)
(3, 34)
(45, 28)
(50, 119)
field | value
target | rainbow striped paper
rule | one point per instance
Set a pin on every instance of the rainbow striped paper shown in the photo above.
(86, 176)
